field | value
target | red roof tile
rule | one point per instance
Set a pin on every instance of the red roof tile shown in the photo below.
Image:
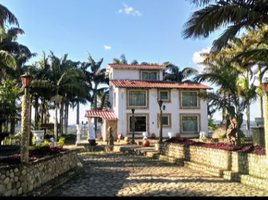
(101, 113)
(156, 84)
(129, 66)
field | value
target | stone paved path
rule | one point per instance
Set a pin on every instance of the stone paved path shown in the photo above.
(118, 174)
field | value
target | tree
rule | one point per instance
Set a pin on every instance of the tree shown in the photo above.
(233, 14)
(121, 60)
(6, 15)
(227, 78)
(97, 78)
(60, 78)
(173, 73)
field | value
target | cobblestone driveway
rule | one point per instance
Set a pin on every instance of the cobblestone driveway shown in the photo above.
(118, 174)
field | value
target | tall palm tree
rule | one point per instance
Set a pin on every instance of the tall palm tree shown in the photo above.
(232, 14)
(84, 98)
(7, 15)
(258, 56)
(121, 60)
(60, 78)
(173, 73)
(226, 77)
(97, 78)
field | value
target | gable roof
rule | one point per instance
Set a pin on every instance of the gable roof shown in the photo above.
(156, 84)
(101, 113)
(129, 66)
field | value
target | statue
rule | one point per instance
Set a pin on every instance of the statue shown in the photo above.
(53, 142)
(110, 141)
(231, 131)
(91, 134)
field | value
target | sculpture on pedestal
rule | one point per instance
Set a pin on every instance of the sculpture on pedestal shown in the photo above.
(231, 131)
(110, 141)
(78, 133)
(91, 134)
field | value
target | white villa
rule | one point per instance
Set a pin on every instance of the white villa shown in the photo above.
(140, 87)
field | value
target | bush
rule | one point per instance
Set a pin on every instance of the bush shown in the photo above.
(62, 139)
(60, 144)
(259, 150)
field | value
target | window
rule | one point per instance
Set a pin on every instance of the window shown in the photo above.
(189, 124)
(140, 123)
(189, 99)
(163, 95)
(114, 99)
(137, 98)
(149, 76)
(165, 120)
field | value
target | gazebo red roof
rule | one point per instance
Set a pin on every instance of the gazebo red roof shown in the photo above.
(101, 113)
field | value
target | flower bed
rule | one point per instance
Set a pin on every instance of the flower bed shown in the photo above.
(259, 150)
(34, 154)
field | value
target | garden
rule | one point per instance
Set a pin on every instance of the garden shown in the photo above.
(245, 148)
(36, 152)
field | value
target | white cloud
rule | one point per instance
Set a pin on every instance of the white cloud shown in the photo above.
(130, 11)
(197, 58)
(107, 47)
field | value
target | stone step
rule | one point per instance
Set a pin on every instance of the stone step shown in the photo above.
(153, 154)
(204, 168)
(171, 160)
(231, 176)
(253, 181)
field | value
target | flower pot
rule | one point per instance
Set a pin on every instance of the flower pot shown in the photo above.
(127, 139)
(146, 143)
(120, 137)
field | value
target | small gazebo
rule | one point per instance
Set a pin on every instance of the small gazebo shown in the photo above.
(109, 118)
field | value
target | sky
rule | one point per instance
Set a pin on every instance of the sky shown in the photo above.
(145, 30)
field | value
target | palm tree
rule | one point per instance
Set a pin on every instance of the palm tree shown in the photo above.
(86, 97)
(97, 78)
(173, 73)
(6, 15)
(233, 14)
(258, 55)
(60, 78)
(121, 60)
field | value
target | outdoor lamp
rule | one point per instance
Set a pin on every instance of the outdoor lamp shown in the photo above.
(160, 102)
(26, 81)
(265, 86)
(133, 127)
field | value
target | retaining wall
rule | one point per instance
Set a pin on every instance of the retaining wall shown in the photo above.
(20, 179)
(235, 166)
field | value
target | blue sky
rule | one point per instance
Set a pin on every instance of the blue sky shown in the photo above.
(145, 30)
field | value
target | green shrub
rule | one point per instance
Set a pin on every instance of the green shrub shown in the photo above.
(62, 139)
(222, 137)
(60, 144)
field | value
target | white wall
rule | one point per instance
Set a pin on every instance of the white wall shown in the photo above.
(125, 74)
(172, 108)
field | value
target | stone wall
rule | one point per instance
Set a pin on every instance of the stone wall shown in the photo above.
(20, 179)
(243, 163)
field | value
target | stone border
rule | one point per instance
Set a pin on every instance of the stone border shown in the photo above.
(21, 179)
(246, 168)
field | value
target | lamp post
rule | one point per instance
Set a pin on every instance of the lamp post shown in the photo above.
(25, 120)
(265, 108)
(133, 126)
(160, 102)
